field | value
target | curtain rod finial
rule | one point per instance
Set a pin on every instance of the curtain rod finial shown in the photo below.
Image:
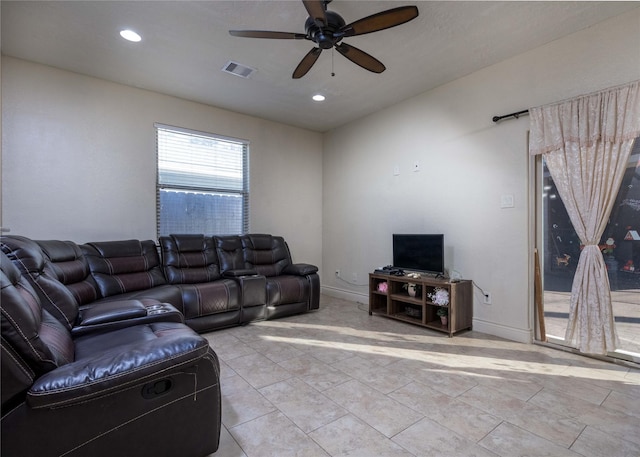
(516, 115)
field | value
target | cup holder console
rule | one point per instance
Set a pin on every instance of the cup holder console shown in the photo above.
(158, 308)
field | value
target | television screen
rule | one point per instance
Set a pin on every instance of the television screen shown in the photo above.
(419, 252)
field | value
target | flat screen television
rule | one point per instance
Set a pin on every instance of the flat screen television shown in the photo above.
(419, 252)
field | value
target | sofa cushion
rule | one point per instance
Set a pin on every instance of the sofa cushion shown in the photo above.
(287, 289)
(189, 259)
(124, 266)
(108, 362)
(69, 266)
(210, 297)
(30, 260)
(266, 254)
(230, 255)
(42, 341)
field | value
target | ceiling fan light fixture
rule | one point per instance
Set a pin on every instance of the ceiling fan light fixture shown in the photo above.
(318, 98)
(130, 35)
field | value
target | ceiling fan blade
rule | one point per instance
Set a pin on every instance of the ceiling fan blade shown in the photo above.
(268, 34)
(315, 8)
(306, 63)
(361, 58)
(380, 21)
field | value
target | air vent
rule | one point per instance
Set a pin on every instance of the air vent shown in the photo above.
(238, 69)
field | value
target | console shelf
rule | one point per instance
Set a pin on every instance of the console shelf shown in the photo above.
(389, 297)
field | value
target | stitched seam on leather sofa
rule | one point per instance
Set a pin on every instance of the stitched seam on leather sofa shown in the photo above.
(37, 284)
(21, 363)
(24, 337)
(109, 378)
(34, 282)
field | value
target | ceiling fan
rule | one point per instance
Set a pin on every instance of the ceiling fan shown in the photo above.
(327, 29)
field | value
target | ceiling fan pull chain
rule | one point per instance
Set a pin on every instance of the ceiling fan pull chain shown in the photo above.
(333, 52)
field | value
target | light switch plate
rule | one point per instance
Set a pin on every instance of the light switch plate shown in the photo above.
(506, 201)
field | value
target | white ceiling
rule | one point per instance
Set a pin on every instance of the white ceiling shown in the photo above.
(185, 44)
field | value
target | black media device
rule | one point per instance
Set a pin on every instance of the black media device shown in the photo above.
(419, 252)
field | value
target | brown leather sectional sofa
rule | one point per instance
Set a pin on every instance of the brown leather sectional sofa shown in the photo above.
(100, 351)
(213, 281)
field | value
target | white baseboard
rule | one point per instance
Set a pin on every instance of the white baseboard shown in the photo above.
(345, 294)
(510, 333)
(490, 328)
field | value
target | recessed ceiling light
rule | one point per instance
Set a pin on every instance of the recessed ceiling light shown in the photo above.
(130, 35)
(318, 97)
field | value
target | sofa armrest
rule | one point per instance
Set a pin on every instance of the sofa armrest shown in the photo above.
(239, 273)
(112, 312)
(121, 366)
(300, 269)
(113, 315)
(254, 290)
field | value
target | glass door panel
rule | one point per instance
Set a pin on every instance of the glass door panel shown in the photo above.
(620, 245)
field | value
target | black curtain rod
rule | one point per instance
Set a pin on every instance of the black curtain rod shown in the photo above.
(516, 115)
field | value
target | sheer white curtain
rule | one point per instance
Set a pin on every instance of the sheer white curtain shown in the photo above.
(586, 144)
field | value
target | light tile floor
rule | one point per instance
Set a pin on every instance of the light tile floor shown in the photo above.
(338, 382)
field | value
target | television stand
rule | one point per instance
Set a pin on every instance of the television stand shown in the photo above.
(389, 296)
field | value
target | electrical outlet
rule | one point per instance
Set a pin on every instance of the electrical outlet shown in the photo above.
(354, 277)
(487, 298)
(337, 273)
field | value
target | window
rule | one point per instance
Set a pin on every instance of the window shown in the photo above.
(202, 183)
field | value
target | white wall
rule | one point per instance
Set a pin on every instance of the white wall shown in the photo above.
(79, 163)
(467, 163)
(79, 160)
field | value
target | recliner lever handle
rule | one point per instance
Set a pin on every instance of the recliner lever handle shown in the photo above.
(156, 388)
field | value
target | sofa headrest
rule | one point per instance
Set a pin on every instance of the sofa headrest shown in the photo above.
(25, 252)
(266, 254)
(189, 259)
(10, 273)
(188, 243)
(40, 340)
(260, 241)
(60, 251)
(68, 265)
(35, 266)
(120, 248)
(230, 255)
(121, 257)
(124, 266)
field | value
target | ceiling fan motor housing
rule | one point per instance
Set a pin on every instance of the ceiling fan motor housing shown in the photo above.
(324, 36)
(327, 29)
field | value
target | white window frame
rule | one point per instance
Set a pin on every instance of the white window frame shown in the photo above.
(224, 172)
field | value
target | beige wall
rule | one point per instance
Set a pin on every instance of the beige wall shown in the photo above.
(467, 163)
(79, 163)
(79, 160)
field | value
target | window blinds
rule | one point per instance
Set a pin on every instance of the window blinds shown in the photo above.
(202, 182)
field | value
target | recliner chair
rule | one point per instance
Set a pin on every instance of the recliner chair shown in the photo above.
(291, 287)
(191, 264)
(150, 389)
(60, 276)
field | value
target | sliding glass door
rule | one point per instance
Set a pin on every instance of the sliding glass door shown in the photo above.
(559, 249)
